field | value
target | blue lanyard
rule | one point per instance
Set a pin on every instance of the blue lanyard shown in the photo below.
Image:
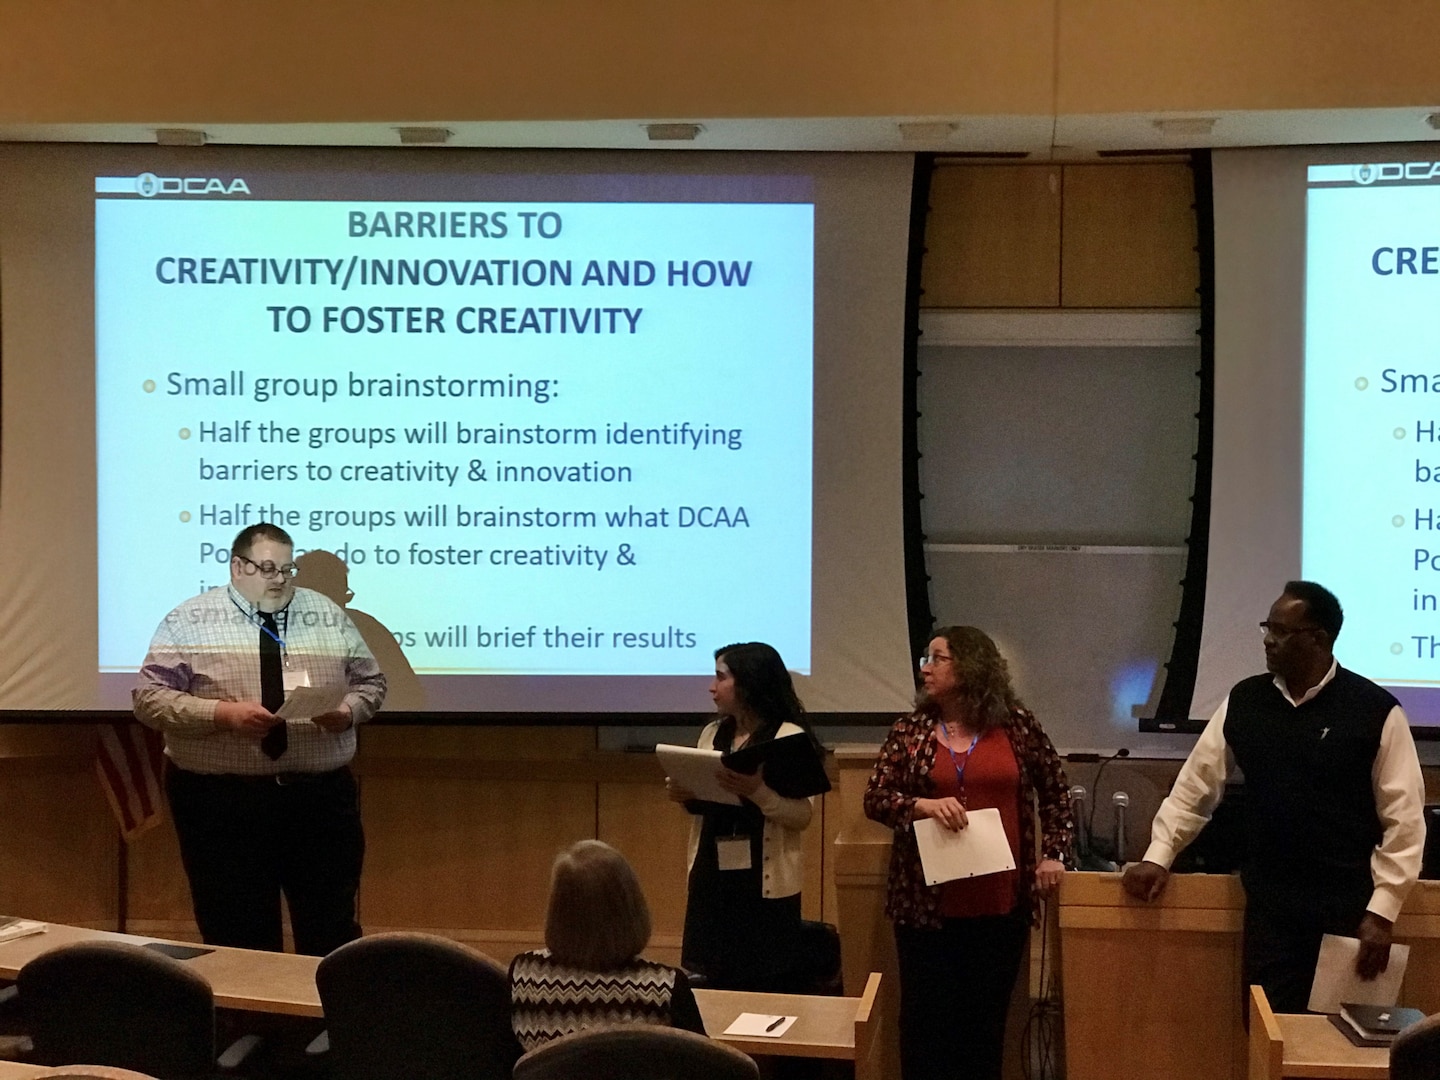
(959, 769)
(261, 624)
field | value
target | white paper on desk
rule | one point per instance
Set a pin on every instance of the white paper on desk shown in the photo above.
(696, 770)
(1336, 981)
(12, 928)
(980, 848)
(304, 702)
(760, 1025)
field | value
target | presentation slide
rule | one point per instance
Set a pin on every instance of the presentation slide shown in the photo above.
(1371, 428)
(540, 437)
(551, 426)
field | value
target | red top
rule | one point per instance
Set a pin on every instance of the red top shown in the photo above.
(992, 779)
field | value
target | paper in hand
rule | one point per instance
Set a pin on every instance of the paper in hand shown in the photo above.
(1336, 981)
(695, 770)
(303, 702)
(980, 848)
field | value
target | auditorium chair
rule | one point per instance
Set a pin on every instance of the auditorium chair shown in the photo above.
(415, 1005)
(1416, 1052)
(635, 1052)
(115, 1004)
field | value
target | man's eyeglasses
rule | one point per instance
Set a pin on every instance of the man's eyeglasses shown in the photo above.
(269, 569)
(1283, 633)
(929, 659)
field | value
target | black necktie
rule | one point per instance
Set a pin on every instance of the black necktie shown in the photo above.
(272, 685)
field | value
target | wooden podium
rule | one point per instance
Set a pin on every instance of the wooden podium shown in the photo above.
(1154, 989)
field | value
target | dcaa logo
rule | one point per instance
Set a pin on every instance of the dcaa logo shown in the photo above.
(149, 185)
(1392, 171)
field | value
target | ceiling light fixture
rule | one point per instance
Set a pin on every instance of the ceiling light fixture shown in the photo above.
(1186, 125)
(927, 130)
(423, 136)
(673, 132)
(179, 137)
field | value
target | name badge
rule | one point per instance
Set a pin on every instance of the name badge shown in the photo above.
(296, 678)
(733, 854)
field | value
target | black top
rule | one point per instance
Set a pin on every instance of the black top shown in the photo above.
(734, 938)
(1311, 821)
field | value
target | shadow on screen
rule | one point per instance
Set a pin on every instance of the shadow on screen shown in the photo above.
(327, 574)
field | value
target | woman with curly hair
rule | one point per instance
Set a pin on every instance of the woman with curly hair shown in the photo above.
(742, 915)
(970, 744)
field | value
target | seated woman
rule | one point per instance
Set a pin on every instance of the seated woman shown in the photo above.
(590, 973)
(742, 917)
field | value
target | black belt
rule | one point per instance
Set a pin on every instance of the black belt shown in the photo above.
(283, 779)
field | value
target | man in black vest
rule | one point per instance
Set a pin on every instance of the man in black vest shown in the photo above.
(1333, 803)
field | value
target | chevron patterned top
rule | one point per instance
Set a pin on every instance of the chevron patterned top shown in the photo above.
(549, 999)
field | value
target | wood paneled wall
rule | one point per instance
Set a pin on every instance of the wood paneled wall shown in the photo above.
(461, 827)
(1061, 236)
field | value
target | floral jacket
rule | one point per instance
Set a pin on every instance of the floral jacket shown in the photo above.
(902, 775)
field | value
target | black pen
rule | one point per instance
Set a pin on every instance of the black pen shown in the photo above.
(777, 1022)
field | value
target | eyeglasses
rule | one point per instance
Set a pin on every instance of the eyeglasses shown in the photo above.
(1284, 633)
(269, 569)
(928, 659)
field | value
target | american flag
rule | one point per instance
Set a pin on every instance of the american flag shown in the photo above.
(129, 762)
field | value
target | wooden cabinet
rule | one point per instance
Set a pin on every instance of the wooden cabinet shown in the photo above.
(1050, 236)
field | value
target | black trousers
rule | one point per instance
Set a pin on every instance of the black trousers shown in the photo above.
(955, 987)
(1281, 948)
(246, 840)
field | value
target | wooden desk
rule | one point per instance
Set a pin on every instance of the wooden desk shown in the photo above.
(1290, 1045)
(843, 1028)
(1154, 989)
(828, 1027)
(241, 978)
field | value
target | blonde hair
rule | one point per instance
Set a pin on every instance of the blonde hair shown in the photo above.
(598, 918)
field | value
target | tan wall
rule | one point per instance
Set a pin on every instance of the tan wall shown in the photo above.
(1072, 236)
(205, 61)
(1138, 55)
(327, 60)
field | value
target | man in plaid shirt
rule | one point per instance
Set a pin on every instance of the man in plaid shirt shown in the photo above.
(262, 806)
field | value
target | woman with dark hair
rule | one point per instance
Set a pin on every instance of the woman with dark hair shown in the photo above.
(970, 744)
(590, 973)
(742, 916)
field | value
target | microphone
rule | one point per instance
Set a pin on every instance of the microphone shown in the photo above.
(1086, 857)
(1121, 802)
(1082, 834)
(1123, 752)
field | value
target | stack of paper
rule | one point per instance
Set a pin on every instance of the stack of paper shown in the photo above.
(11, 927)
(695, 770)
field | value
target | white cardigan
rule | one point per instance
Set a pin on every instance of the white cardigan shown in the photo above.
(782, 842)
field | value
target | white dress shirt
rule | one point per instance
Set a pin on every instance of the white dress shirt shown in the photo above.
(1395, 777)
